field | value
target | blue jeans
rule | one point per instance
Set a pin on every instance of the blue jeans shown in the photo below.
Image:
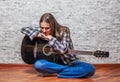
(79, 69)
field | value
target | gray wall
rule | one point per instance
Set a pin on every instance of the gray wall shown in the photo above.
(94, 24)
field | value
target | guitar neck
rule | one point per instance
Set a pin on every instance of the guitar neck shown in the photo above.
(80, 52)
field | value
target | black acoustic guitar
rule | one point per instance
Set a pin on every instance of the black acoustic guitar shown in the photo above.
(39, 49)
(28, 50)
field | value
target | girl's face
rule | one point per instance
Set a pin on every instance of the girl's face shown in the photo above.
(45, 27)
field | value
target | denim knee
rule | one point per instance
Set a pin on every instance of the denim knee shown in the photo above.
(39, 65)
(88, 68)
(92, 70)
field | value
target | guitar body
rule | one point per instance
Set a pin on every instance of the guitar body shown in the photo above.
(27, 52)
(27, 57)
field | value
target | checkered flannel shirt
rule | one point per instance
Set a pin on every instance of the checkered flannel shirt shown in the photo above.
(59, 46)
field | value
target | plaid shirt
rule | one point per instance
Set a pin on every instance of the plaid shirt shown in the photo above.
(30, 31)
(58, 46)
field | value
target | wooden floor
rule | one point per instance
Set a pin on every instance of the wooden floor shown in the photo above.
(26, 73)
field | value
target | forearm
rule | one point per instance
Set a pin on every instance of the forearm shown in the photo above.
(59, 47)
(30, 31)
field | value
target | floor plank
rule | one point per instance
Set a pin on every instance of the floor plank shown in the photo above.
(27, 73)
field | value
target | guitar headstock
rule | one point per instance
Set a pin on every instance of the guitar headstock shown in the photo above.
(99, 53)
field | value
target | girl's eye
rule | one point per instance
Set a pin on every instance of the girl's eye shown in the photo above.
(41, 27)
(45, 27)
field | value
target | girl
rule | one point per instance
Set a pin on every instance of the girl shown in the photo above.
(59, 39)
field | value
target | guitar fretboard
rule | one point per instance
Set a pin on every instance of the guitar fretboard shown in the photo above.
(80, 52)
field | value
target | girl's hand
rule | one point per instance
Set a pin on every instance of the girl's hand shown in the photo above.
(48, 37)
(41, 35)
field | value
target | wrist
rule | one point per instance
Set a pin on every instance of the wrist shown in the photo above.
(50, 38)
(52, 41)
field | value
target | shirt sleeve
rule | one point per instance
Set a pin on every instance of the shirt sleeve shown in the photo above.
(63, 45)
(30, 31)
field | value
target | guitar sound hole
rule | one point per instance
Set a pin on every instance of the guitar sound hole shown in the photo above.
(47, 50)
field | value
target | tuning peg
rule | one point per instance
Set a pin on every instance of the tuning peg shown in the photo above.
(99, 53)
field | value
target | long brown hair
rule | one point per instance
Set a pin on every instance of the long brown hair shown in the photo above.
(55, 26)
